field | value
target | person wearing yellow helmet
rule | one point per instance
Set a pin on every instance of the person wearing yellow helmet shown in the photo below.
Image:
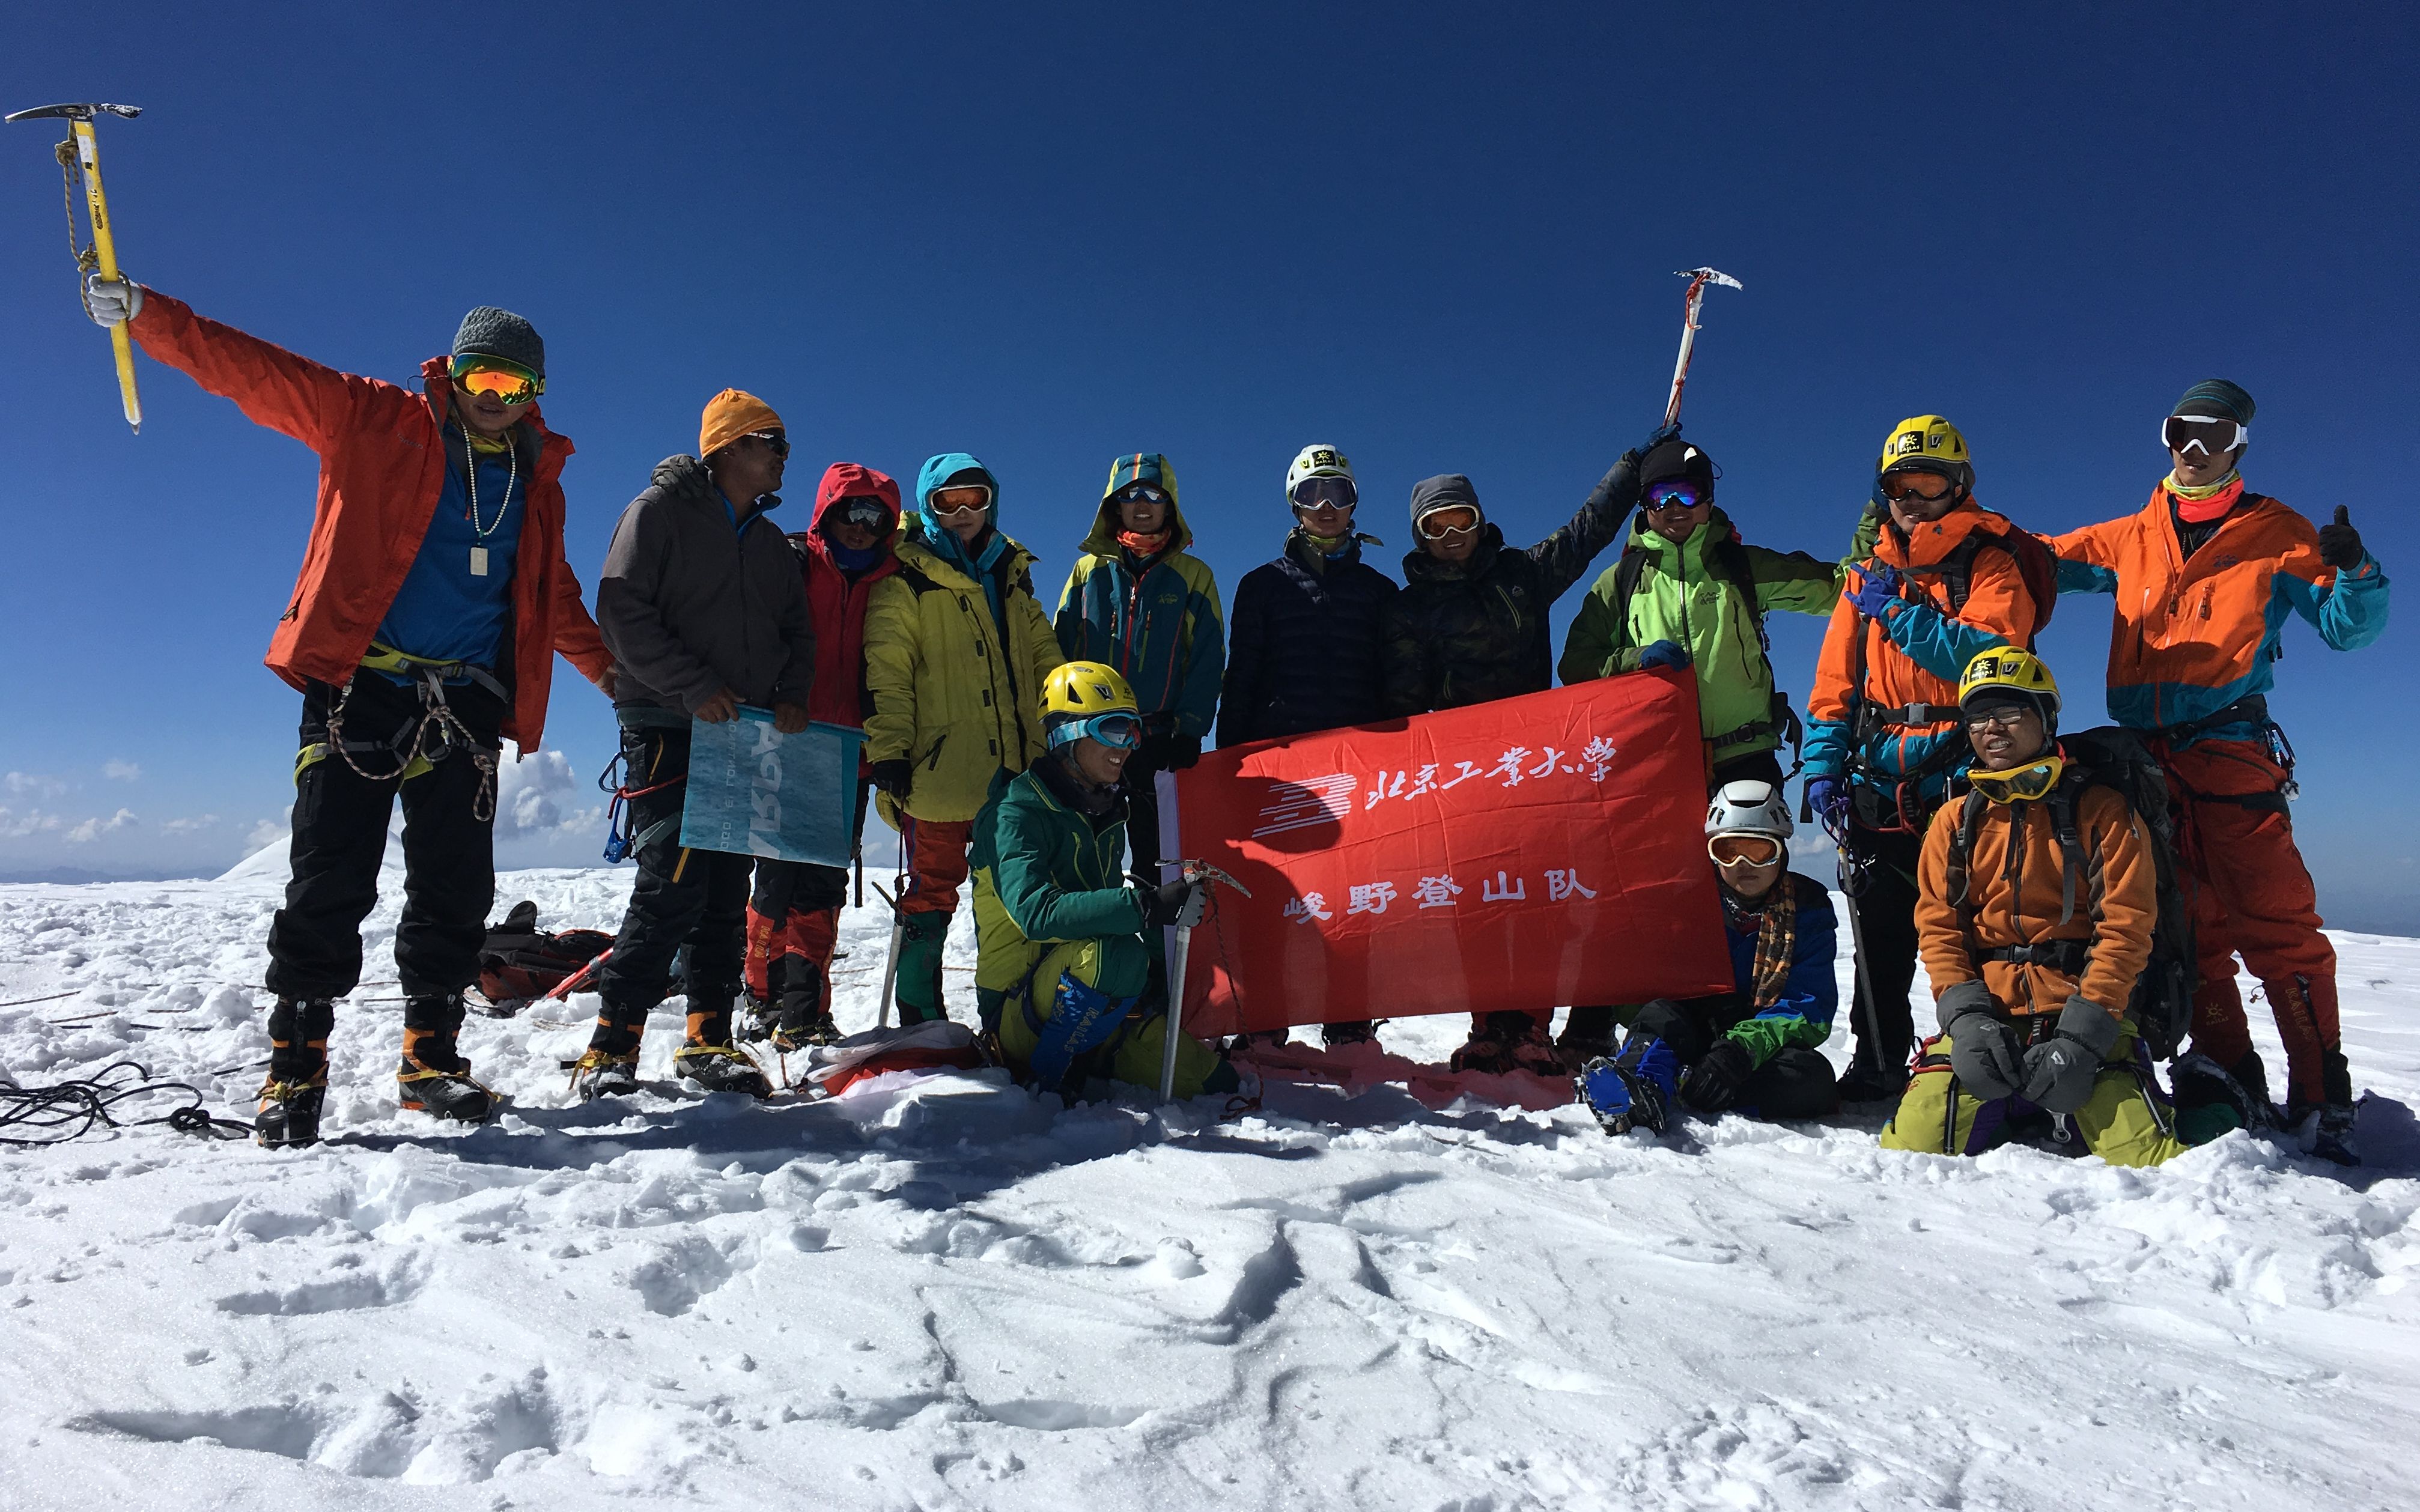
(1065, 967)
(2033, 961)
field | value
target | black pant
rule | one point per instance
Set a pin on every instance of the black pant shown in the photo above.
(1884, 913)
(1796, 1084)
(1763, 765)
(682, 898)
(340, 819)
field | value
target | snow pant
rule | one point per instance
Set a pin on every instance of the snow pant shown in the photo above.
(1117, 966)
(1885, 915)
(2126, 1122)
(684, 903)
(793, 927)
(1759, 765)
(1670, 1034)
(2251, 895)
(936, 855)
(340, 822)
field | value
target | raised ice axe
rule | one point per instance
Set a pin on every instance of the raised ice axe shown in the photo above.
(1698, 278)
(81, 152)
(1197, 871)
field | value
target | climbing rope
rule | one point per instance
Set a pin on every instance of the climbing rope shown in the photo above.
(71, 1109)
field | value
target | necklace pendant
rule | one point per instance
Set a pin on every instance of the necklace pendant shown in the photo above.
(478, 561)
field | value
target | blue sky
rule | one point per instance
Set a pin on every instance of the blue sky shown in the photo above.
(1439, 236)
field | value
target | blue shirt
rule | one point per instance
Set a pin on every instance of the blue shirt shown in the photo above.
(444, 612)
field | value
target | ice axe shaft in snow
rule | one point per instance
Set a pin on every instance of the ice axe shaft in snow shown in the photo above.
(1852, 882)
(80, 150)
(1195, 872)
(1698, 278)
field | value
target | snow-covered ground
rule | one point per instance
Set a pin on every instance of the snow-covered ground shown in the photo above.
(946, 1294)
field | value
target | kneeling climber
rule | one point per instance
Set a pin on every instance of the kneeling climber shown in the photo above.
(1070, 929)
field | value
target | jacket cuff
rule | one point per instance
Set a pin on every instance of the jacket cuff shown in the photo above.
(2090, 1025)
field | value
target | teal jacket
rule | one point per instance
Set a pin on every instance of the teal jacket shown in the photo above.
(1156, 622)
(1059, 873)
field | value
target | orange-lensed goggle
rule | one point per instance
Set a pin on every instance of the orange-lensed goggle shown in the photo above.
(495, 377)
(1744, 850)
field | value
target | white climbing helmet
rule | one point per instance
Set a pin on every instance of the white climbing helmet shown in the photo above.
(1748, 807)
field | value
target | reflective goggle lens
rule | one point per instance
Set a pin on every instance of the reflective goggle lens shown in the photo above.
(1928, 487)
(1329, 493)
(1147, 493)
(1680, 495)
(962, 499)
(867, 514)
(1441, 523)
(1744, 850)
(1121, 731)
(491, 376)
(2023, 785)
(2204, 434)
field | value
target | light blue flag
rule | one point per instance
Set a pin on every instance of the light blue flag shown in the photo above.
(753, 790)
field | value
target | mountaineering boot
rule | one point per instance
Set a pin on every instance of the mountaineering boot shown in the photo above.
(2209, 1101)
(756, 1017)
(433, 1077)
(1621, 1099)
(1244, 1044)
(919, 986)
(597, 1075)
(799, 1019)
(1503, 1042)
(1868, 1083)
(2333, 1140)
(721, 1068)
(1340, 1036)
(291, 1098)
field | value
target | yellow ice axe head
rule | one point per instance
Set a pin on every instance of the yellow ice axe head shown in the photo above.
(85, 152)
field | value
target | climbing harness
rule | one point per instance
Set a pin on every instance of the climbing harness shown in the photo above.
(422, 742)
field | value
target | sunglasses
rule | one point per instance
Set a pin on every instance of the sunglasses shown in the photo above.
(962, 499)
(1663, 496)
(1744, 850)
(2023, 785)
(1999, 717)
(774, 439)
(1139, 492)
(2197, 433)
(1930, 486)
(492, 377)
(1434, 527)
(1326, 493)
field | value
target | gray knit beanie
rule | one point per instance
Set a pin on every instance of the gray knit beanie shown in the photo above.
(493, 332)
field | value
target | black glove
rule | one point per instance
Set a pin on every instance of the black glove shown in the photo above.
(2339, 543)
(895, 776)
(1983, 1049)
(1167, 903)
(2060, 1071)
(1183, 751)
(1715, 1080)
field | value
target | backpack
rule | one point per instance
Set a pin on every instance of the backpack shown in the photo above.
(2161, 1005)
(2037, 564)
(519, 963)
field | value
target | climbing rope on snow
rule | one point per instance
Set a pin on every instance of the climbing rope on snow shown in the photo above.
(71, 1109)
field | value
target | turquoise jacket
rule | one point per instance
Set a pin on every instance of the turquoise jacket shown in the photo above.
(1156, 622)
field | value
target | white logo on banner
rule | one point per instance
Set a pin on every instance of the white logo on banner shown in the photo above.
(1319, 800)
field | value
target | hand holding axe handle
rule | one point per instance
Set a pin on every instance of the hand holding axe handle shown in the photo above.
(1698, 278)
(82, 150)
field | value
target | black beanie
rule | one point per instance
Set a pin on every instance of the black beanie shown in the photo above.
(493, 332)
(1676, 458)
(2217, 399)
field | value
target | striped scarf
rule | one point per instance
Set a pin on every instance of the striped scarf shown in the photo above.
(1777, 944)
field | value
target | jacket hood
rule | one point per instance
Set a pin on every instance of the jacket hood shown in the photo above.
(848, 480)
(1446, 490)
(1135, 467)
(936, 471)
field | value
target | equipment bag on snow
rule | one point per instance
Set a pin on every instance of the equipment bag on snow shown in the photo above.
(521, 962)
(2110, 756)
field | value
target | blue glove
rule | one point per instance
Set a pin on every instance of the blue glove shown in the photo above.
(1829, 797)
(1670, 654)
(1877, 593)
(1658, 437)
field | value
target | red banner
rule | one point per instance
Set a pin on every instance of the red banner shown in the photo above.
(1530, 853)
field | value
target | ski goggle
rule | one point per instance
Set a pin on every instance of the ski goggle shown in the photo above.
(1931, 487)
(962, 499)
(1744, 850)
(1120, 732)
(865, 514)
(2206, 434)
(494, 378)
(1435, 525)
(1325, 493)
(2020, 785)
(1139, 493)
(1678, 494)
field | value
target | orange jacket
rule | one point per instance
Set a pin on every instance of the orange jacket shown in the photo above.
(381, 468)
(2193, 635)
(2017, 902)
(1915, 655)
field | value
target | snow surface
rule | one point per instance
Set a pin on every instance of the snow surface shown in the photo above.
(944, 1293)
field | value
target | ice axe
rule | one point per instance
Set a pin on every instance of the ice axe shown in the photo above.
(80, 150)
(1698, 278)
(1195, 872)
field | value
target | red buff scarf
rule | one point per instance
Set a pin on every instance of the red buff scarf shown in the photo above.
(1142, 545)
(2199, 506)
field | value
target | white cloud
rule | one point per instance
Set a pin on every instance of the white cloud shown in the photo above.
(118, 770)
(41, 786)
(186, 826)
(15, 825)
(534, 799)
(92, 829)
(265, 834)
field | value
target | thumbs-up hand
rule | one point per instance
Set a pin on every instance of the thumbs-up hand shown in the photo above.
(2340, 544)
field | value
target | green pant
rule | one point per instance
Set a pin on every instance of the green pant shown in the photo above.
(2123, 1122)
(1118, 967)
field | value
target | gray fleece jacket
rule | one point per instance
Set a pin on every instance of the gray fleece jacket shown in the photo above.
(689, 606)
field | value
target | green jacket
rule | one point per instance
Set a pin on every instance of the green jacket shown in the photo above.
(1159, 627)
(1696, 593)
(1060, 875)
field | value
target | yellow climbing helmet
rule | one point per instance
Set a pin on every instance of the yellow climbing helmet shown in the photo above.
(1928, 443)
(2005, 671)
(1090, 698)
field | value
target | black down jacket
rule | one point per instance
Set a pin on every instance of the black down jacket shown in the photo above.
(1468, 632)
(1304, 645)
